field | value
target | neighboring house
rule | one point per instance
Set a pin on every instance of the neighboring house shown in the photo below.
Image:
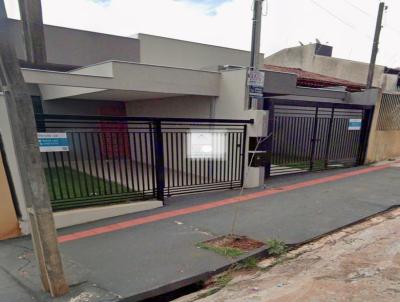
(318, 58)
(149, 76)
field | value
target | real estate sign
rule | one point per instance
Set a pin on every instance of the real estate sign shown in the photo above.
(53, 142)
(255, 81)
(355, 124)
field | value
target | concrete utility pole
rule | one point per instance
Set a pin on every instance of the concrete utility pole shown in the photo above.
(255, 89)
(256, 34)
(375, 46)
(32, 21)
(23, 126)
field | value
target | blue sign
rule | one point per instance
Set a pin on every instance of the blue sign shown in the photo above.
(355, 124)
(53, 142)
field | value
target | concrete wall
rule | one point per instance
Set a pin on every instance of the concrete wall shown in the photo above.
(179, 53)
(77, 47)
(304, 57)
(9, 226)
(384, 144)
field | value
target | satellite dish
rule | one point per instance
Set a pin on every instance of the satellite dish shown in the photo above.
(301, 43)
(318, 41)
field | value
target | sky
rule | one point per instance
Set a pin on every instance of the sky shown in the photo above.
(347, 25)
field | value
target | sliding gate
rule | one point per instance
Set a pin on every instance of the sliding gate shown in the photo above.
(316, 136)
(107, 160)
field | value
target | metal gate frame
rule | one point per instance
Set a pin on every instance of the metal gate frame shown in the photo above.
(367, 114)
(134, 141)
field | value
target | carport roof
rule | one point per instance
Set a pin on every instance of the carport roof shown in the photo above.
(118, 80)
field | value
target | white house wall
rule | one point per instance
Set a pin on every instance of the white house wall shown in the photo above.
(181, 106)
(178, 53)
(74, 47)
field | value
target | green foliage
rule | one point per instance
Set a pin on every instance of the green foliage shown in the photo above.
(224, 251)
(276, 247)
(223, 280)
(248, 263)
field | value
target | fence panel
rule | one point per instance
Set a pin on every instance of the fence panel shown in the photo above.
(123, 159)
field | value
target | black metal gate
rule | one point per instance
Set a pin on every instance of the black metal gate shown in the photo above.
(316, 136)
(120, 159)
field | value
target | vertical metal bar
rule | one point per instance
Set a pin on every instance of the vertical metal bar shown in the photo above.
(141, 160)
(168, 161)
(135, 139)
(314, 139)
(229, 158)
(83, 163)
(115, 184)
(95, 163)
(121, 182)
(67, 187)
(178, 154)
(159, 157)
(90, 163)
(153, 162)
(147, 161)
(58, 176)
(328, 141)
(71, 174)
(244, 139)
(125, 154)
(50, 174)
(182, 156)
(222, 156)
(102, 164)
(269, 143)
(78, 174)
(107, 159)
(187, 157)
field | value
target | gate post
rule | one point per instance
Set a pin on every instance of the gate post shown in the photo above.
(159, 157)
(364, 135)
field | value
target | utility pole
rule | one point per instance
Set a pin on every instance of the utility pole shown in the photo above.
(256, 34)
(32, 22)
(255, 51)
(375, 46)
(23, 126)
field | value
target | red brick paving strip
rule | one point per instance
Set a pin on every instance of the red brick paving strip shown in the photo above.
(211, 205)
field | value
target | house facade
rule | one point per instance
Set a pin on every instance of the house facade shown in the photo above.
(144, 79)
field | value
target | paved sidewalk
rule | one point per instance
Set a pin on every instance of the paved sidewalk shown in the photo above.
(129, 255)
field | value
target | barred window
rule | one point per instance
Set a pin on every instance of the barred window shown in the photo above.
(389, 113)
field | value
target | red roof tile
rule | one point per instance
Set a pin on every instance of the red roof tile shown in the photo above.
(311, 79)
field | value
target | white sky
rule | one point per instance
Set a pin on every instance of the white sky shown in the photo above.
(348, 26)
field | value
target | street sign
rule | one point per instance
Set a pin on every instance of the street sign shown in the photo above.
(53, 142)
(255, 81)
(355, 124)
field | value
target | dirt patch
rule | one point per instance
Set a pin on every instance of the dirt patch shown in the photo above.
(242, 243)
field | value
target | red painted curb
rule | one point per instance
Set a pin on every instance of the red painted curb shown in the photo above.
(214, 204)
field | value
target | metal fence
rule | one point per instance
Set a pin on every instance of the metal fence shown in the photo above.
(122, 159)
(389, 113)
(309, 138)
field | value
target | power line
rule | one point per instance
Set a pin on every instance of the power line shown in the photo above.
(341, 20)
(333, 15)
(358, 8)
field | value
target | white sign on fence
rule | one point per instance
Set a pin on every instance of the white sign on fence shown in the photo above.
(53, 142)
(355, 124)
(206, 144)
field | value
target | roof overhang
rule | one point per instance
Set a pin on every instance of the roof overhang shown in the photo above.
(123, 81)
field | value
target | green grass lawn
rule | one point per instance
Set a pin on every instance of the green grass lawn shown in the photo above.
(71, 184)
